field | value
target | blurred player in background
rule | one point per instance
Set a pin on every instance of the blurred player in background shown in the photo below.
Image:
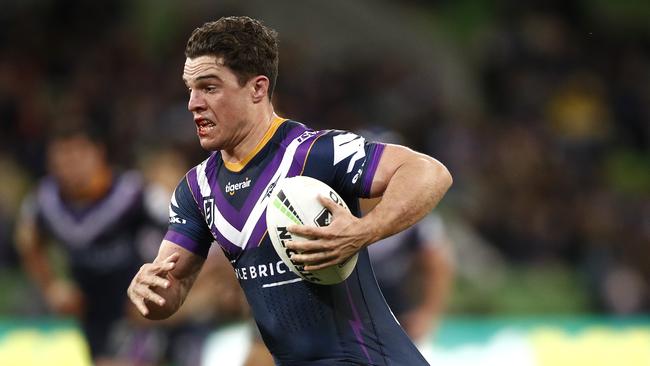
(414, 271)
(413, 267)
(93, 214)
(230, 72)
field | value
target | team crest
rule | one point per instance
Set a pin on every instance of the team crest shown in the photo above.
(208, 210)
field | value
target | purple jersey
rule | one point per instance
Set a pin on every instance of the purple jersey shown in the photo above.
(301, 323)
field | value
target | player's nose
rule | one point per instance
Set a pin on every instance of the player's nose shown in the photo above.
(196, 101)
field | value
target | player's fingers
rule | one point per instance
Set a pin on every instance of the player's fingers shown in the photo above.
(330, 204)
(320, 265)
(139, 304)
(160, 268)
(173, 258)
(168, 263)
(313, 258)
(306, 231)
(155, 281)
(149, 295)
(303, 246)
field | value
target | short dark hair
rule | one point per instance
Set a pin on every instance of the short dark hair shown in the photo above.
(67, 128)
(247, 46)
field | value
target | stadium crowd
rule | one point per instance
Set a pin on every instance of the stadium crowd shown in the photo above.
(546, 128)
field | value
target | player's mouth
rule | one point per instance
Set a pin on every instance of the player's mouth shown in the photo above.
(203, 126)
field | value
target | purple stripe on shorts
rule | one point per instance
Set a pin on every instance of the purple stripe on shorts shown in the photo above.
(371, 170)
(187, 243)
(356, 324)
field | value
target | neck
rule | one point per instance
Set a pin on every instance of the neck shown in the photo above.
(256, 130)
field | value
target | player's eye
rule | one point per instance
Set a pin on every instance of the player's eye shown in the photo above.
(210, 88)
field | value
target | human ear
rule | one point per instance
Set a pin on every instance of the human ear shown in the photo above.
(260, 87)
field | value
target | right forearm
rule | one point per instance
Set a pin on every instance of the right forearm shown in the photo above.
(33, 256)
(36, 264)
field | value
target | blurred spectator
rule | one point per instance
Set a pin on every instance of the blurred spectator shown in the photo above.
(93, 213)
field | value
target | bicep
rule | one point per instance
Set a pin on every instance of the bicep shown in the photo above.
(396, 156)
(391, 159)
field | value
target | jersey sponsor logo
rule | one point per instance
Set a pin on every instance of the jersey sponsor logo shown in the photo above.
(348, 145)
(231, 189)
(261, 270)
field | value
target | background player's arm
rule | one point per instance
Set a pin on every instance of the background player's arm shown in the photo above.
(411, 183)
(62, 296)
(436, 270)
(159, 289)
(434, 264)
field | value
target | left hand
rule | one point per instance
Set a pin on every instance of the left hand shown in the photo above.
(65, 298)
(328, 245)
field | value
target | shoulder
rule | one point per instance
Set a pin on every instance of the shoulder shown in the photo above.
(129, 181)
(344, 149)
(196, 178)
(293, 133)
(47, 188)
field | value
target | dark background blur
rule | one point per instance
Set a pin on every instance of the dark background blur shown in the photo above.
(540, 110)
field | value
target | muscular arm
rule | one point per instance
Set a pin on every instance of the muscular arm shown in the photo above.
(159, 289)
(411, 184)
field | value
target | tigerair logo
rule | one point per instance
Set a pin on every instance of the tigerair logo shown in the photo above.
(231, 189)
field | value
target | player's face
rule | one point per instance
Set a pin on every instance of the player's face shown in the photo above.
(73, 161)
(220, 105)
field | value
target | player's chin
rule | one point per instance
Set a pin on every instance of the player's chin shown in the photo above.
(209, 144)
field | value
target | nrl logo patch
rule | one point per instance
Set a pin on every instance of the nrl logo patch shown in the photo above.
(208, 210)
(324, 218)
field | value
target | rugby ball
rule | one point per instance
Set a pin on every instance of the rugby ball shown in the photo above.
(294, 201)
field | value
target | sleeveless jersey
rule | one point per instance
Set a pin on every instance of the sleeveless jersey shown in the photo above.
(301, 323)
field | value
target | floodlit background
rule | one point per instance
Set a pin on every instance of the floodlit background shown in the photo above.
(541, 111)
